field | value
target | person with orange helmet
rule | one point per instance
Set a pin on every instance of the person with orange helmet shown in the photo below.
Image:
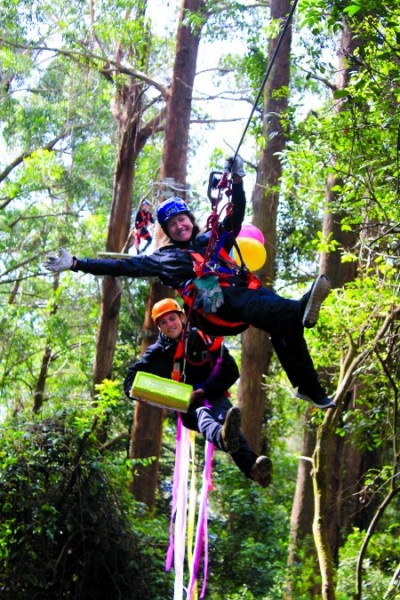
(206, 364)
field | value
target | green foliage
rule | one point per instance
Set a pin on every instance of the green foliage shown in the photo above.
(69, 527)
(304, 575)
(248, 532)
(379, 566)
(60, 142)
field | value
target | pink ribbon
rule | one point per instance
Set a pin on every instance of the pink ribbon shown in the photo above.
(179, 504)
(177, 527)
(202, 526)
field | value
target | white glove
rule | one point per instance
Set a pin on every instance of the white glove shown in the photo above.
(58, 263)
(234, 166)
(209, 294)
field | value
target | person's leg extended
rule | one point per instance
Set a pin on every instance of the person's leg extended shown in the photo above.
(283, 320)
(220, 425)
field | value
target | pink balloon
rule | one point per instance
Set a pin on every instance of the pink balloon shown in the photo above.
(251, 231)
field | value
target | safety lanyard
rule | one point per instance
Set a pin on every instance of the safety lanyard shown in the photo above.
(181, 357)
(179, 364)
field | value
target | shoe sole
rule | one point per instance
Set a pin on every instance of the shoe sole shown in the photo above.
(264, 471)
(308, 399)
(319, 292)
(231, 429)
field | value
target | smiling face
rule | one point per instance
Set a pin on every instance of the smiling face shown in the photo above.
(180, 228)
(171, 324)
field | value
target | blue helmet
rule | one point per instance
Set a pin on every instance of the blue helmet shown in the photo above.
(169, 208)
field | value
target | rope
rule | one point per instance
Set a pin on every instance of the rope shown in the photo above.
(212, 246)
(269, 68)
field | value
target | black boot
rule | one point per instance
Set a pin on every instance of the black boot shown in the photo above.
(261, 471)
(230, 430)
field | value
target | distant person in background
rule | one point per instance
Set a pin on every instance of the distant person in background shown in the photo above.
(205, 363)
(143, 220)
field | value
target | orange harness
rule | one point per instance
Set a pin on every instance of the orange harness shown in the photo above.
(188, 292)
(180, 358)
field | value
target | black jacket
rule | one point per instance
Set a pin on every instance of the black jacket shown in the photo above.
(171, 264)
(143, 219)
(159, 357)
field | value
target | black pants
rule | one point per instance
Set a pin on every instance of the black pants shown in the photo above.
(209, 421)
(282, 319)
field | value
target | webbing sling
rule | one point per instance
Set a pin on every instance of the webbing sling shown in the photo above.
(199, 267)
(181, 356)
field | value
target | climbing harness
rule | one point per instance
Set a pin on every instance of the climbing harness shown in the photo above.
(182, 357)
(226, 272)
(216, 260)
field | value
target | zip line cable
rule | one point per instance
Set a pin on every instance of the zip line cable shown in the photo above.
(269, 68)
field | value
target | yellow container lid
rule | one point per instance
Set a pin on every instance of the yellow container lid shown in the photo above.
(162, 392)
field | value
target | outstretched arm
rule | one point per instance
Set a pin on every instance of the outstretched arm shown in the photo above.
(132, 266)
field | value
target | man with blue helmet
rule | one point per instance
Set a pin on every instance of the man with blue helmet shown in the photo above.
(227, 293)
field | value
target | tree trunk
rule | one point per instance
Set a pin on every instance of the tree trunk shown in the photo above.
(147, 425)
(118, 230)
(322, 508)
(327, 474)
(302, 516)
(174, 165)
(176, 139)
(39, 393)
(38, 396)
(127, 109)
(256, 345)
(330, 262)
(326, 508)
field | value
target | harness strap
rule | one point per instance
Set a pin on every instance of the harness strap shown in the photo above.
(181, 356)
(179, 363)
(198, 263)
(199, 268)
(212, 343)
(188, 292)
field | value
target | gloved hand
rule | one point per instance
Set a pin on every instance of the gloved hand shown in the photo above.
(234, 166)
(209, 294)
(58, 263)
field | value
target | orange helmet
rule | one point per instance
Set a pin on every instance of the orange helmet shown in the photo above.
(164, 306)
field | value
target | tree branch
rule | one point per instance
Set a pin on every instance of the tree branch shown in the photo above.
(87, 55)
(114, 441)
(25, 155)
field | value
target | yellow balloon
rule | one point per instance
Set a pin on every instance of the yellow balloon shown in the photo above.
(253, 253)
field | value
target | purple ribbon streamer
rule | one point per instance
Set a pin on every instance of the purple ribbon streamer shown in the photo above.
(202, 526)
